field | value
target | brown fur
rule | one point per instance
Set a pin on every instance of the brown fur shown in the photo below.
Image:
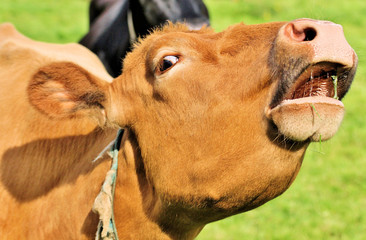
(197, 146)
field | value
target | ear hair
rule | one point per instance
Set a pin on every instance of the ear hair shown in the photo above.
(64, 89)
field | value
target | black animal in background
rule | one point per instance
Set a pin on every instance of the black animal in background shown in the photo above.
(115, 24)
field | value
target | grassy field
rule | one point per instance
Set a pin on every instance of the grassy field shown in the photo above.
(328, 199)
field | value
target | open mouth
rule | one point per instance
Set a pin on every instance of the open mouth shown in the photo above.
(316, 81)
(322, 79)
(310, 107)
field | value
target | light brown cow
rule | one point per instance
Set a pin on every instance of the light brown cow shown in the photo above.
(215, 124)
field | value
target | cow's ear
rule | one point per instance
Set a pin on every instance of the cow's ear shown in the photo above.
(64, 89)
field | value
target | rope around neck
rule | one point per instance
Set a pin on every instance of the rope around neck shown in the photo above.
(103, 203)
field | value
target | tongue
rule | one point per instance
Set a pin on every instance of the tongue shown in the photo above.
(315, 118)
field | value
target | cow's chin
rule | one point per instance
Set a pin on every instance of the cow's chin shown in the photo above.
(314, 118)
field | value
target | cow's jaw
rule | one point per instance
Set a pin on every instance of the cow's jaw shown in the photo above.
(311, 107)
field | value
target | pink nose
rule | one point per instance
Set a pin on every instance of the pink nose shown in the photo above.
(325, 38)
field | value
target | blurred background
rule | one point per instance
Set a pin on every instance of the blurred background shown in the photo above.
(328, 198)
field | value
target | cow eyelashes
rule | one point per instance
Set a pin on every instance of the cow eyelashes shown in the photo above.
(166, 63)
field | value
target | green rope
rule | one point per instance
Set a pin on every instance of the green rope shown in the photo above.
(111, 231)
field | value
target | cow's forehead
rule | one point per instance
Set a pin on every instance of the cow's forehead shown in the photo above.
(173, 35)
(211, 61)
(179, 38)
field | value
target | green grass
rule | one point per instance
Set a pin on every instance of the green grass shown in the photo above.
(328, 198)
(47, 20)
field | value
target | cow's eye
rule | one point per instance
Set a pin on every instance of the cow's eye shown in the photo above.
(167, 63)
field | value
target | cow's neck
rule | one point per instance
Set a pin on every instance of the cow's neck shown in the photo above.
(47, 172)
(42, 162)
(138, 211)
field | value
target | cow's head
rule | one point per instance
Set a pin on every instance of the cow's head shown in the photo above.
(221, 121)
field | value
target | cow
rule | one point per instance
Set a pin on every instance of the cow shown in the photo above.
(115, 24)
(214, 124)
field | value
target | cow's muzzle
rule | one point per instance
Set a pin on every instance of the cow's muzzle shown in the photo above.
(315, 76)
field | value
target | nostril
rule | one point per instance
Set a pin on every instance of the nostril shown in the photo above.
(299, 32)
(310, 34)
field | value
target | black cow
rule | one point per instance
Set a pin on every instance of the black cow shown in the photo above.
(115, 24)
